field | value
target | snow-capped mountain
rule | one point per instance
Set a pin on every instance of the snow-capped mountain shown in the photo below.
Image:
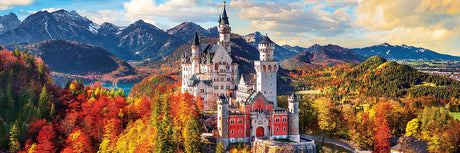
(44, 25)
(402, 52)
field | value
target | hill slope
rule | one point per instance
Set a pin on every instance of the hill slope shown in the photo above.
(402, 52)
(75, 58)
(377, 77)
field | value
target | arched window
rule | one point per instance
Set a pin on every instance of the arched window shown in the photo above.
(216, 66)
(232, 121)
(265, 68)
(284, 129)
(261, 109)
(232, 131)
(277, 120)
(240, 121)
(239, 131)
(277, 129)
(284, 119)
(269, 68)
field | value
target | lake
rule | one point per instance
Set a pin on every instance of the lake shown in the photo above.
(126, 87)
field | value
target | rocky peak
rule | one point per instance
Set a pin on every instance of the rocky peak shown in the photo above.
(8, 22)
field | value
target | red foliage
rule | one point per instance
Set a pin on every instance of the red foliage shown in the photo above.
(46, 140)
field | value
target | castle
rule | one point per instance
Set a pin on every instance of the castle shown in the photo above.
(244, 111)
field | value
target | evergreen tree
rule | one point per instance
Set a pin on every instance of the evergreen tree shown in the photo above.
(220, 147)
(43, 103)
(193, 135)
(14, 141)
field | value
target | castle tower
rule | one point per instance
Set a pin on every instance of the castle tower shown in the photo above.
(293, 110)
(222, 120)
(266, 70)
(224, 30)
(196, 53)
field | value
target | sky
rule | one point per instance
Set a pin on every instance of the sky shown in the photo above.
(431, 24)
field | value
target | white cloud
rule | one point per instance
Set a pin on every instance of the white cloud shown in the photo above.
(293, 17)
(101, 16)
(50, 10)
(174, 10)
(8, 4)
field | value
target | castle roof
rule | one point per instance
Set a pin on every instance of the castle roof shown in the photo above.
(196, 41)
(266, 40)
(224, 19)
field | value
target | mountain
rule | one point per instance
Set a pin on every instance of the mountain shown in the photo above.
(144, 41)
(138, 41)
(294, 48)
(186, 31)
(75, 58)
(280, 53)
(402, 52)
(8, 22)
(60, 24)
(317, 55)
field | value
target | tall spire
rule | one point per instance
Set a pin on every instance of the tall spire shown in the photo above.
(224, 16)
(196, 41)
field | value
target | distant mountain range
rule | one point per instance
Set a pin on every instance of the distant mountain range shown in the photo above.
(402, 52)
(280, 53)
(141, 40)
(318, 55)
(75, 58)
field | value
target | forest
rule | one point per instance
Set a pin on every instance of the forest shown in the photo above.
(368, 103)
(38, 116)
(365, 104)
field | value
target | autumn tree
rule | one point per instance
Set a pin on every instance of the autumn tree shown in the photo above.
(220, 147)
(413, 128)
(46, 140)
(15, 146)
(382, 134)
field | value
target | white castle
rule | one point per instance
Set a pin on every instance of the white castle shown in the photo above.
(211, 71)
(244, 111)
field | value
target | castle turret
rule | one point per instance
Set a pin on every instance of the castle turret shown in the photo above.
(266, 49)
(224, 30)
(222, 120)
(293, 101)
(196, 53)
(266, 70)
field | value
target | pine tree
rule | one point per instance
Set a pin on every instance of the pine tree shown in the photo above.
(14, 141)
(193, 135)
(220, 147)
(43, 103)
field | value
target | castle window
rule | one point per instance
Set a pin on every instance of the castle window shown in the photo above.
(221, 87)
(256, 110)
(228, 79)
(284, 129)
(240, 121)
(216, 87)
(284, 120)
(262, 110)
(202, 90)
(228, 87)
(232, 131)
(277, 129)
(232, 121)
(277, 120)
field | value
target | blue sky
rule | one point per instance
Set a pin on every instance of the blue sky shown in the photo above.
(432, 24)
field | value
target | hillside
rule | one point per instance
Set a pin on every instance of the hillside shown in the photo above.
(75, 58)
(402, 52)
(317, 55)
(376, 77)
